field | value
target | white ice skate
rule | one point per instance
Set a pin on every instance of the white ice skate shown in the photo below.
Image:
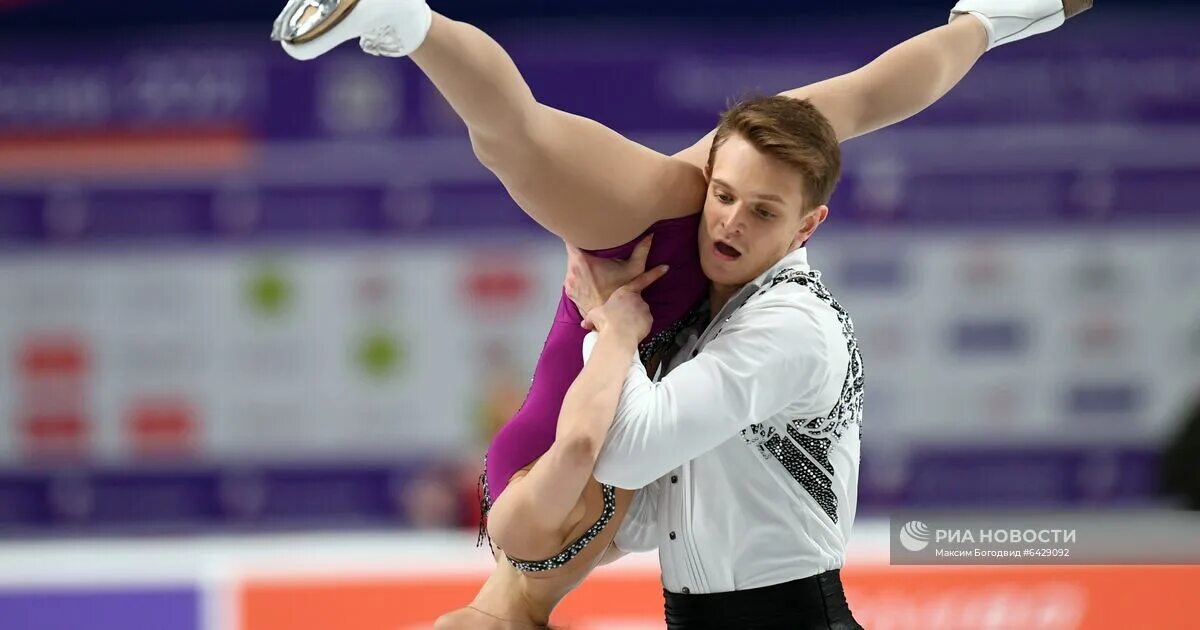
(1008, 21)
(390, 28)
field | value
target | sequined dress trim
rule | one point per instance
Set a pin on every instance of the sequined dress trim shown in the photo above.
(562, 557)
(574, 549)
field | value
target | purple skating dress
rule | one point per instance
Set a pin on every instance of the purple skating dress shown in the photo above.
(529, 434)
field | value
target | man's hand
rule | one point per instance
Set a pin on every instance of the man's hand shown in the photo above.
(591, 280)
(625, 313)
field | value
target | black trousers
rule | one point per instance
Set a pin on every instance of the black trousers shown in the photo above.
(811, 603)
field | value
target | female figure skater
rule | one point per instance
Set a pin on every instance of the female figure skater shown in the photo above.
(550, 522)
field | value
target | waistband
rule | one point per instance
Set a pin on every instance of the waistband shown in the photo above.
(816, 602)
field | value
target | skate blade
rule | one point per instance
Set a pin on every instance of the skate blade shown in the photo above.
(1071, 8)
(302, 21)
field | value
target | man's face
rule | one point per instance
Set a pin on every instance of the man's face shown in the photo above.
(753, 216)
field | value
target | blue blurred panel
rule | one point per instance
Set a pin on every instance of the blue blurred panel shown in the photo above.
(1105, 398)
(284, 497)
(331, 211)
(107, 86)
(1032, 477)
(990, 337)
(481, 206)
(877, 274)
(328, 494)
(21, 217)
(992, 479)
(154, 498)
(1160, 194)
(986, 198)
(148, 214)
(205, 498)
(164, 608)
(23, 501)
(1133, 475)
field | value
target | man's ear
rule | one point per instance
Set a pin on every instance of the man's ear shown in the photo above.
(809, 224)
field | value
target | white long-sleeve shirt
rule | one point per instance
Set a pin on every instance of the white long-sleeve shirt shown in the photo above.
(748, 447)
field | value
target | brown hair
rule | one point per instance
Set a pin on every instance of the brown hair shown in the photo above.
(791, 131)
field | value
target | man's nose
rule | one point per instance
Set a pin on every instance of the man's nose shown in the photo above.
(736, 219)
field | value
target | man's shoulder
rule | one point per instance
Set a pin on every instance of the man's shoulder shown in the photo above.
(798, 289)
(794, 307)
(794, 280)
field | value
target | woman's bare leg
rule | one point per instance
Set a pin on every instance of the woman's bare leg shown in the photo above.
(579, 179)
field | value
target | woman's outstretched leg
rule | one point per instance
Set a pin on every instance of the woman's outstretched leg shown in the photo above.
(579, 179)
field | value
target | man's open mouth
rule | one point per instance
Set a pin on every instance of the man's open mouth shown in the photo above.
(726, 251)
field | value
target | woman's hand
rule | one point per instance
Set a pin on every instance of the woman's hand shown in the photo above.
(591, 280)
(625, 313)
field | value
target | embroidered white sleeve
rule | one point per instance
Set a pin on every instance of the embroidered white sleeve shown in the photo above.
(773, 354)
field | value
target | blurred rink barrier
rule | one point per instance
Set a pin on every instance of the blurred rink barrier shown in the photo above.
(404, 581)
(259, 318)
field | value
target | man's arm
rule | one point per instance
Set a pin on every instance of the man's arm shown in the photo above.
(772, 356)
(898, 84)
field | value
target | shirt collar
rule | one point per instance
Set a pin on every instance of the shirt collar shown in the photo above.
(796, 259)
